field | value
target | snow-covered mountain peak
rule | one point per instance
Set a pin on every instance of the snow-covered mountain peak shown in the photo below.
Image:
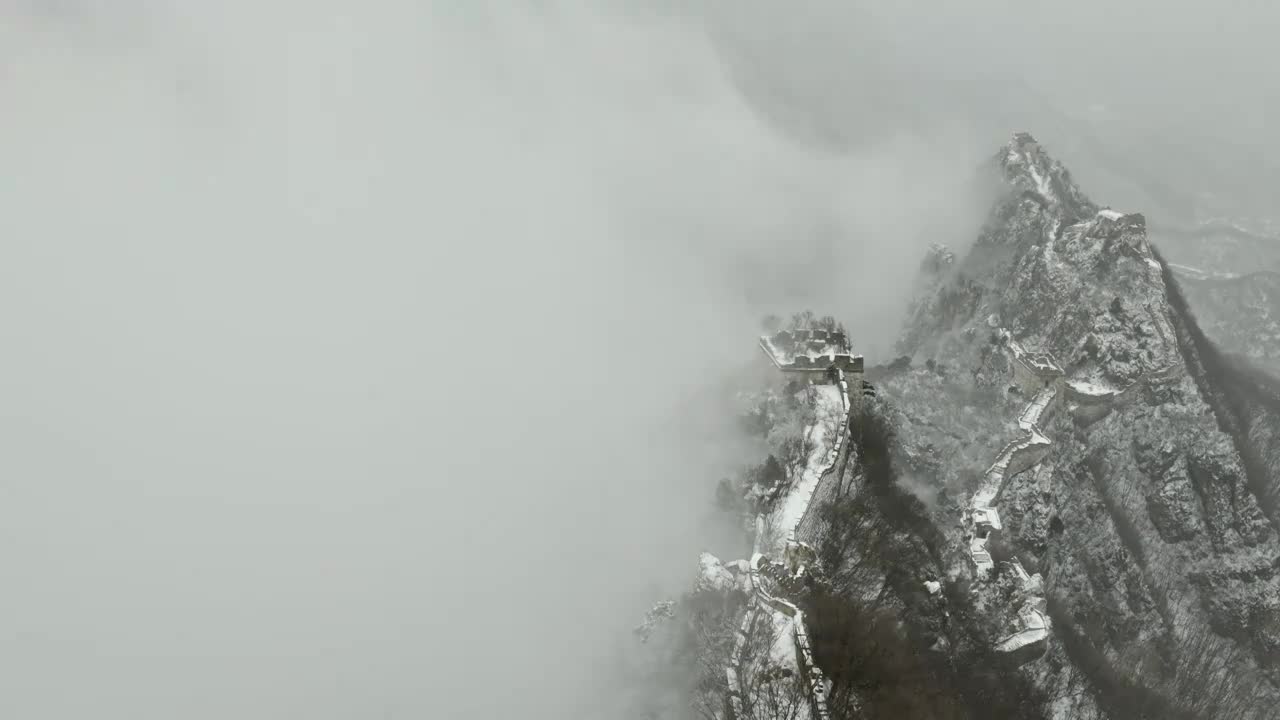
(1165, 460)
(1027, 167)
(1058, 271)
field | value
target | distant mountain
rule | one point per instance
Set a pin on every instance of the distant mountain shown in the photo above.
(1241, 313)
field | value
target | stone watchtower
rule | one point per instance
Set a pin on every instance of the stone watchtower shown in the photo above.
(819, 356)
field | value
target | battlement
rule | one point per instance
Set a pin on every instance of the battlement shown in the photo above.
(797, 340)
(1041, 364)
(811, 353)
(1032, 371)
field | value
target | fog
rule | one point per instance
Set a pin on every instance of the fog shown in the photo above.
(363, 360)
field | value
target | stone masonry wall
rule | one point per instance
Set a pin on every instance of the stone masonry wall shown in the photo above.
(764, 603)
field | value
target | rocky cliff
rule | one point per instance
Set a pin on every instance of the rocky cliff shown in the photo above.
(1153, 519)
(1062, 501)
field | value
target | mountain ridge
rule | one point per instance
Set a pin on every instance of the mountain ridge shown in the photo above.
(1084, 283)
(1119, 558)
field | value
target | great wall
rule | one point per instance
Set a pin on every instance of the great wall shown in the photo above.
(823, 362)
(1036, 375)
(1039, 376)
(822, 358)
(812, 353)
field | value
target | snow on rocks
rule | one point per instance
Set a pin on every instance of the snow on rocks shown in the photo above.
(1087, 388)
(715, 576)
(660, 612)
(1033, 627)
(1028, 167)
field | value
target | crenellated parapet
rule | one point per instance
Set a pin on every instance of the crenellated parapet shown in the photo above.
(815, 351)
(1032, 371)
(812, 339)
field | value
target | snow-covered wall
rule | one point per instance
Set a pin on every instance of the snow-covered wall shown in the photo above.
(814, 356)
(829, 483)
(793, 515)
(1089, 402)
(1038, 373)
(825, 477)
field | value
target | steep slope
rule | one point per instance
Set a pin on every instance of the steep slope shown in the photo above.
(1217, 248)
(1153, 516)
(1241, 314)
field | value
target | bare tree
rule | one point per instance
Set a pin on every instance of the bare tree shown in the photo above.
(770, 533)
(831, 418)
(794, 452)
(769, 691)
(714, 641)
(853, 546)
(1214, 680)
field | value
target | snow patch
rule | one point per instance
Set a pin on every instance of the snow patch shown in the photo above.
(1042, 183)
(783, 652)
(714, 575)
(1092, 389)
(829, 403)
(1035, 627)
